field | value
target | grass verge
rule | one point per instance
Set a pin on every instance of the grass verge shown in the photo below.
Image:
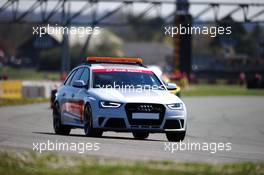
(23, 101)
(51, 164)
(220, 90)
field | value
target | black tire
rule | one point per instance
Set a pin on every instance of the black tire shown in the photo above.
(57, 126)
(140, 135)
(88, 124)
(176, 136)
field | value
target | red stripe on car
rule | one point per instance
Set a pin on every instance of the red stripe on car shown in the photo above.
(123, 70)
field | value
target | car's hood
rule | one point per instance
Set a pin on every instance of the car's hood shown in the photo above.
(143, 96)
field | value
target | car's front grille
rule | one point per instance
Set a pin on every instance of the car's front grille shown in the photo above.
(182, 123)
(115, 123)
(172, 124)
(100, 120)
(145, 108)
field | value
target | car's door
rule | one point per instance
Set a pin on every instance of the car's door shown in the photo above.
(81, 93)
(62, 93)
(70, 106)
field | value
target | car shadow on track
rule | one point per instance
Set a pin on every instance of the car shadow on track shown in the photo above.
(102, 137)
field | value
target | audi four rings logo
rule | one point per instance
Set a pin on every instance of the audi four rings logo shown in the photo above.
(145, 108)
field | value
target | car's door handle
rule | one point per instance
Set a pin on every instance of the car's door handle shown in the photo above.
(64, 94)
(73, 95)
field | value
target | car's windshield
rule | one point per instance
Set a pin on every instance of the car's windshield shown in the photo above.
(125, 79)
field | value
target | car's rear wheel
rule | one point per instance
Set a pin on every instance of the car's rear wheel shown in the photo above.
(88, 124)
(140, 135)
(176, 136)
(59, 128)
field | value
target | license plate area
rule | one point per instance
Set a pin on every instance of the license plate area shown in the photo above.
(132, 108)
(146, 116)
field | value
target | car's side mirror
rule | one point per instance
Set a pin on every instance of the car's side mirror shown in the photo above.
(171, 86)
(79, 84)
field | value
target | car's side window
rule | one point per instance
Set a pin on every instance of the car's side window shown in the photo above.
(68, 81)
(85, 76)
(76, 75)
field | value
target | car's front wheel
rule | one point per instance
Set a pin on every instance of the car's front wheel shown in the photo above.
(59, 128)
(140, 135)
(88, 124)
(176, 136)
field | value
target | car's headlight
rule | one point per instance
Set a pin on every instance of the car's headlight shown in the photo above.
(175, 106)
(109, 104)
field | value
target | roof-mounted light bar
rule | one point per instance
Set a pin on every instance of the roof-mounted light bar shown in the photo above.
(114, 60)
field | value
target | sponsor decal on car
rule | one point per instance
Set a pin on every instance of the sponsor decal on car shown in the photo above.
(76, 108)
(123, 70)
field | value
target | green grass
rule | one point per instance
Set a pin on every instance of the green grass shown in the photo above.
(51, 164)
(220, 90)
(30, 74)
(13, 102)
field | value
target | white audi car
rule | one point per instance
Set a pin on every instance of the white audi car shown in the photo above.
(118, 94)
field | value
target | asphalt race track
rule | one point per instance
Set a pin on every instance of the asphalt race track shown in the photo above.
(235, 120)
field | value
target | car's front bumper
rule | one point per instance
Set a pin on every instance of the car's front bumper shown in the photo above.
(118, 119)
